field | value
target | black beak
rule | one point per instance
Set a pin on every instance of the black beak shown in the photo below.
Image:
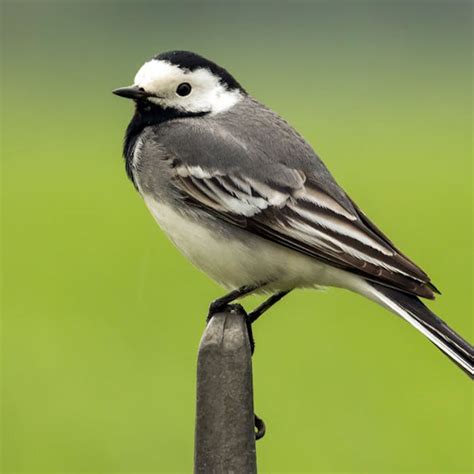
(131, 92)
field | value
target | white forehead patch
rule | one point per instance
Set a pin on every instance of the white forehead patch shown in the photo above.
(208, 94)
(154, 73)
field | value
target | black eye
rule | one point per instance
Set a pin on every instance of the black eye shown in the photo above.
(183, 89)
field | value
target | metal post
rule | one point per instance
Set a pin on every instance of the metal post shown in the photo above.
(225, 434)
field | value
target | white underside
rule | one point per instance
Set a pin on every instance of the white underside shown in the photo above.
(237, 262)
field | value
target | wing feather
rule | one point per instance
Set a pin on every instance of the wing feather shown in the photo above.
(303, 217)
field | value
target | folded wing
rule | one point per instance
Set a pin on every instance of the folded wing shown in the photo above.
(294, 211)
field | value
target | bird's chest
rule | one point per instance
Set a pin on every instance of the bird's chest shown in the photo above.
(223, 259)
(149, 170)
(132, 159)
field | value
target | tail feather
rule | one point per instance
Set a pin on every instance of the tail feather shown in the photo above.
(434, 328)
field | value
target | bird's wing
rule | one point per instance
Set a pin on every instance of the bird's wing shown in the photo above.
(286, 206)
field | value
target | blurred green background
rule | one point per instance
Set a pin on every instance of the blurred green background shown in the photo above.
(101, 315)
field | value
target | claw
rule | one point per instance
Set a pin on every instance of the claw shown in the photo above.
(260, 427)
(215, 307)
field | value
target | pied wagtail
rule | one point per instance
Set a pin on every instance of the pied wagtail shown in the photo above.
(248, 201)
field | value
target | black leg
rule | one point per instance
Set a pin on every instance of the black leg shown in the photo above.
(222, 302)
(267, 304)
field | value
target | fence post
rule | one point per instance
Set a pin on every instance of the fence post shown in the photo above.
(225, 433)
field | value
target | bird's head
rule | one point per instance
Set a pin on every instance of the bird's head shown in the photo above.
(184, 82)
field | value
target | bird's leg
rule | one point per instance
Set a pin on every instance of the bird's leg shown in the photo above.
(267, 304)
(258, 311)
(223, 301)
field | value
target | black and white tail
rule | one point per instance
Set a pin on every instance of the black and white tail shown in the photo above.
(435, 329)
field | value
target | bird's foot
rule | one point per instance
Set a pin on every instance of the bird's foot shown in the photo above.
(259, 427)
(219, 306)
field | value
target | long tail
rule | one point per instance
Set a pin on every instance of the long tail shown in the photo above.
(412, 310)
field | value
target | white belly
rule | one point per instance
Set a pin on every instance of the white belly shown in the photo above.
(244, 261)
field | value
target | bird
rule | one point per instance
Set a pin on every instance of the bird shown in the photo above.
(249, 202)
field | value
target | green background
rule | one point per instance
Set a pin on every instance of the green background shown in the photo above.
(101, 315)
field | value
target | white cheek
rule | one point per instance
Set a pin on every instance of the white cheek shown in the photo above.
(214, 101)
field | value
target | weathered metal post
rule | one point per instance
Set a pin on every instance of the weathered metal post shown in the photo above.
(225, 433)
